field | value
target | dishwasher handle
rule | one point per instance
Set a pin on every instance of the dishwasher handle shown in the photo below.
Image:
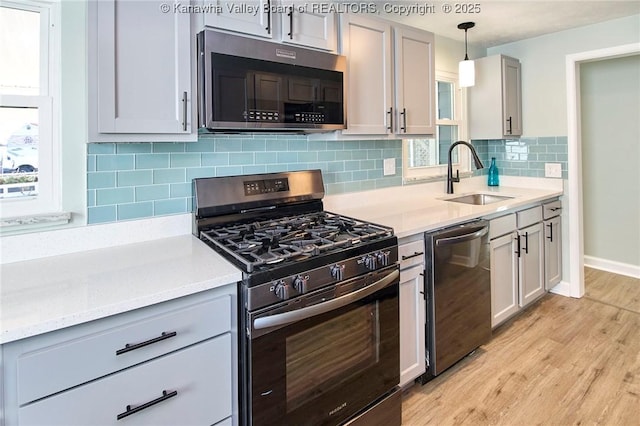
(477, 233)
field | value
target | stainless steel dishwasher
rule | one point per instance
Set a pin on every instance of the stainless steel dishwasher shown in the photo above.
(458, 286)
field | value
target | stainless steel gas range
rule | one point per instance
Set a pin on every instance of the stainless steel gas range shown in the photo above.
(318, 315)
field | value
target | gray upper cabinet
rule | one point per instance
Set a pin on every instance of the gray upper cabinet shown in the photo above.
(312, 29)
(367, 45)
(391, 77)
(495, 102)
(140, 72)
(303, 24)
(415, 81)
(253, 18)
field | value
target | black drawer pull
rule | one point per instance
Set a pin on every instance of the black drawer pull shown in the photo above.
(165, 395)
(129, 348)
(416, 254)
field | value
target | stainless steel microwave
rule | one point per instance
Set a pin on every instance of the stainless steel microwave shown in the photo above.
(246, 84)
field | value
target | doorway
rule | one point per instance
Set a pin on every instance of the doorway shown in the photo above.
(575, 266)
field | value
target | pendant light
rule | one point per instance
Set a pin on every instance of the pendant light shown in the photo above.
(466, 68)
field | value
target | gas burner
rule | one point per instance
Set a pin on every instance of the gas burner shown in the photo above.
(270, 241)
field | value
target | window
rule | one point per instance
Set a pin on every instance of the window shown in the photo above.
(29, 151)
(427, 158)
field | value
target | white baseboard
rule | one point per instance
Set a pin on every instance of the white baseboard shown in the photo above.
(612, 266)
(563, 288)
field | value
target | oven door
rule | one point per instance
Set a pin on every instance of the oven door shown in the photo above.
(325, 356)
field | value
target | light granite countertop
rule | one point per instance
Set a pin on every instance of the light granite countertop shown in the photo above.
(42, 295)
(50, 293)
(414, 209)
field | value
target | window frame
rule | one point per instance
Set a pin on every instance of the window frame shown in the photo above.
(439, 172)
(48, 200)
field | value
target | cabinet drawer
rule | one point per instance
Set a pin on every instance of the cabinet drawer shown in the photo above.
(80, 360)
(502, 225)
(529, 217)
(200, 374)
(411, 254)
(552, 209)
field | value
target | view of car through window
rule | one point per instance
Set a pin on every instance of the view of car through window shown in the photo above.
(18, 155)
(23, 94)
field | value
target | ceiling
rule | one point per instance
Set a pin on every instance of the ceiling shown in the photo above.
(504, 21)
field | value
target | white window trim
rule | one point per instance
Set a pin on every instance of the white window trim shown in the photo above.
(48, 200)
(439, 172)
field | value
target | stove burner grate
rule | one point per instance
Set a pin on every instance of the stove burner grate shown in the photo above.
(291, 237)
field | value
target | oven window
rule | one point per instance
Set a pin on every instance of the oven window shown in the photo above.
(322, 357)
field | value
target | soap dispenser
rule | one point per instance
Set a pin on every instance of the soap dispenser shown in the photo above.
(493, 173)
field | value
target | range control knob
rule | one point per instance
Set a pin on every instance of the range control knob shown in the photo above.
(337, 272)
(383, 257)
(300, 283)
(371, 262)
(281, 290)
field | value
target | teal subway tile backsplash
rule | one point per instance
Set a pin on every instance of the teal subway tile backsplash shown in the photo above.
(525, 156)
(137, 180)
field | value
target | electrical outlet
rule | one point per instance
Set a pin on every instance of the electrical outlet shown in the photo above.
(389, 167)
(553, 170)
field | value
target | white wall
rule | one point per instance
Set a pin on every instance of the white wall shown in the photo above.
(610, 112)
(544, 106)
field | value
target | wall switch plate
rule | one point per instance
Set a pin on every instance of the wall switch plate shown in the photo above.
(553, 170)
(389, 166)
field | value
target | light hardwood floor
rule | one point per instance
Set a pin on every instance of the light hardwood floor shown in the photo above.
(561, 362)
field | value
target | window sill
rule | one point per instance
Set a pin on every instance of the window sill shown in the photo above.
(12, 224)
(434, 178)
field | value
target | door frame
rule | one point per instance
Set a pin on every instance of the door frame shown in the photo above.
(575, 248)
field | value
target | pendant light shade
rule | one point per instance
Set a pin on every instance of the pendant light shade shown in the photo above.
(466, 68)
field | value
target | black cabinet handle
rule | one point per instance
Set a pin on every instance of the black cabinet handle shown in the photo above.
(129, 348)
(517, 238)
(555, 209)
(416, 254)
(165, 395)
(404, 120)
(290, 23)
(268, 17)
(510, 129)
(390, 114)
(526, 241)
(184, 111)
(550, 237)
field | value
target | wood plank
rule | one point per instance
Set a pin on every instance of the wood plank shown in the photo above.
(562, 361)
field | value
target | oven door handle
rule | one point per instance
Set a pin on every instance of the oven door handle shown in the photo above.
(311, 311)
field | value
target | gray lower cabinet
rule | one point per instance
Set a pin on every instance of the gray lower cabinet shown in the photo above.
(552, 243)
(169, 363)
(412, 311)
(176, 389)
(517, 262)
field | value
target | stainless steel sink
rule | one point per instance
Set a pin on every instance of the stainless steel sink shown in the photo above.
(478, 199)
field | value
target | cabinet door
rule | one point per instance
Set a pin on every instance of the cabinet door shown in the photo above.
(367, 45)
(552, 252)
(141, 68)
(531, 266)
(511, 97)
(412, 324)
(307, 28)
(415, 82)
(249, 17)
(504, 278)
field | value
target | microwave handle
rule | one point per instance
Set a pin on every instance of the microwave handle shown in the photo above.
(268, 17)
(330, 305)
